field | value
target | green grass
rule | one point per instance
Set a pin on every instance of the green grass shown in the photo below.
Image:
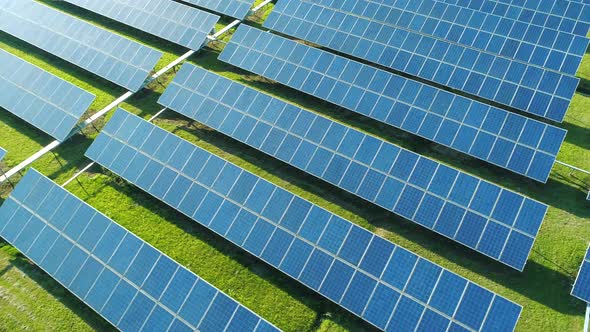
(33, 300)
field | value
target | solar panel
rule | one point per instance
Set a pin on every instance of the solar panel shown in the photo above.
(581, 288)
(2, 153)
(42, 99)
(234, 8)
(123, 278)
(369, 276)
(178, 23)
(481, 74)
(96, 50)
(372, 169)
(498, 35)
(488, 133)
(565, 16)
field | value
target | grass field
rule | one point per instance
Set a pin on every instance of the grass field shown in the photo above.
(30, 300)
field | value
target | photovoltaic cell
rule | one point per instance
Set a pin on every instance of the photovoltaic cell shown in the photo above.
(96, 50)
(375, 170)
(567, 16)
(178, 23)
(123, 278)
(364, 273)
(541, 46)
(481, 74)
(488, 133)
(234, 8)
(581, 288)
(42, 99)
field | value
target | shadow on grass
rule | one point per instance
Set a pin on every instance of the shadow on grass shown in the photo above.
(55, 289)
(577, 135)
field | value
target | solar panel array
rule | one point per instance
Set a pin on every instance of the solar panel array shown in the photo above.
(522, 86)
(542, 46)
(234, 8)
(178, 23)
(108, 55)
(371, 277)
(124, 279)
(581, 288)
(567, 16)
(2, 153)
(40, 98)
(419, 189)
(511, 141)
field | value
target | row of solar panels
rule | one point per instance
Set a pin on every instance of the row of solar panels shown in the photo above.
(367, 275)
(497, 76)
(489, 219)
(54, 105)
(508, 140)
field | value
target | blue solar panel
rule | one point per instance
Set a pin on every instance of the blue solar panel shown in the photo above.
(498, 35)
(234, 8)
(2, 153)
(581, 288)
(178, 23)
(123, 278)
(364, 273)
(485, 132)
(40, 98)
(565, 16)
(485, 75)
(96, 50)
(375, 170)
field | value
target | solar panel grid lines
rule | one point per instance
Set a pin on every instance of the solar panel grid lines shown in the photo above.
(581, 289)
(541, 46)
(306, 242)
(176, 22)
(124, 279)
(363, 165)
(40, 98)
(101, 52)
(525, 87)
(234, 8)
(451, 120)
(561, 15)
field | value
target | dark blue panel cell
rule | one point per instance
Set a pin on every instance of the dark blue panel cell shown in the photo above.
(431, 321)
(399, 268)
(502, 315)
(358, 293)
(315, 223)
(219, 313)
(447, 293)
(316, 269)
(178, 289)
(334, 234)
(354, 246)
(423, 280)
(377, 256)
(197, 302)
(102, 289)
(406, 315)
(380, 306)
(337, 281)
(137, 313)
(277, 247)
(474, 306)
(296, 258)
(159, 277)
(119, 301)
